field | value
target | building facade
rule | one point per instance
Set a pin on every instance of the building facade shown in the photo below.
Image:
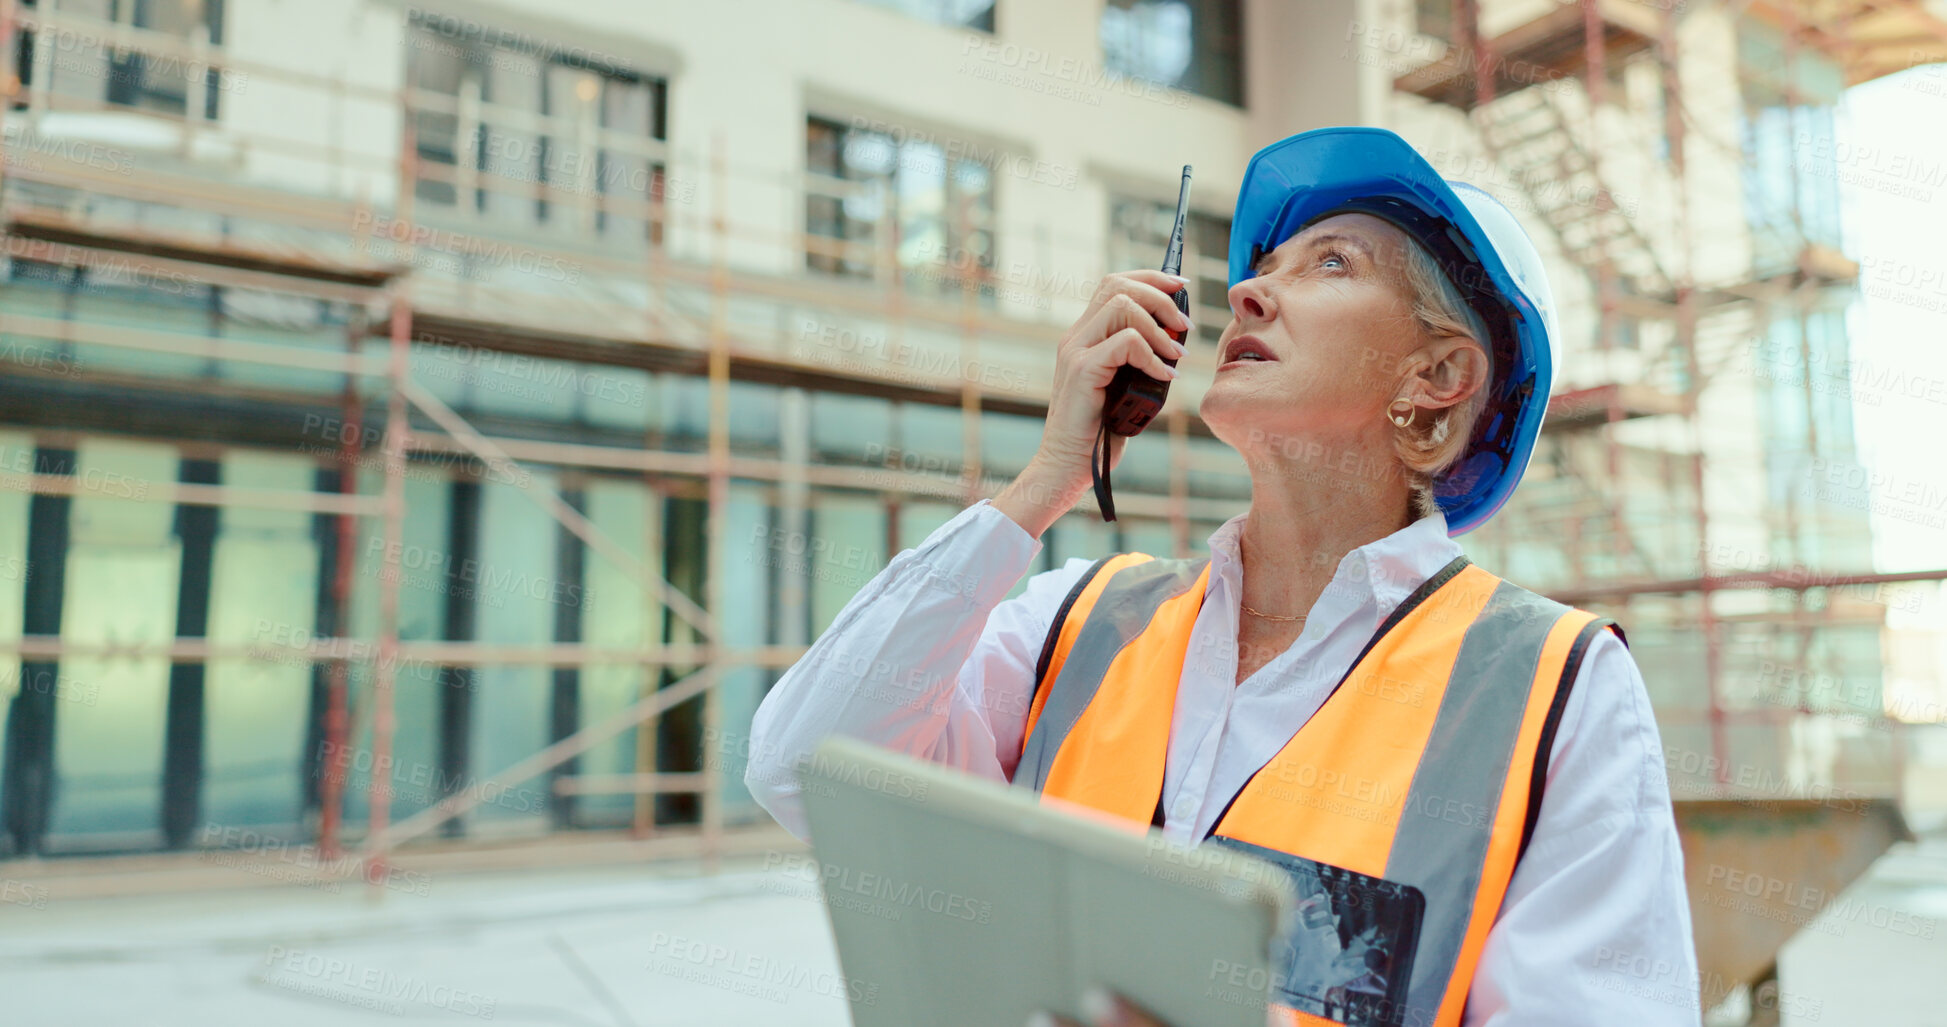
(407, 404)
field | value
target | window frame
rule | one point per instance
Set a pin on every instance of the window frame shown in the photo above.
(962, 263)
(586, 198)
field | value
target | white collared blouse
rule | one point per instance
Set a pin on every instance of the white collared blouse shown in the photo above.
(930, 658)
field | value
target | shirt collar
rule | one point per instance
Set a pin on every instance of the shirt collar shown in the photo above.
(1387, 570)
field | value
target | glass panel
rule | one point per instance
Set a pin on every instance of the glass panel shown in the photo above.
(941, 208)
(569, 164)
(79, 65)
(1200, 532)
(845, 548)
(16, 457)
(920, 519)
(683, 411)
(1152, 537)
(1216, 471)
(571, 99)
(280, 319)
(512, 82)
(1082, 534)
(746, 597)
(614, 397)
(1194, 45)
(625, 176)
(1145, 463)
(754, 417)
(517, 591)
(416, 687)
(264, 585)
(1139, 235)
(136, 297)
(842, 427)
(971, 14)
(1008, 442)
(922, 210)
(1791, 146)
(929, 443)
(436, 64)
(617, 614)
(162, 84)
(122, 577)
(824, 214)
(518, 385)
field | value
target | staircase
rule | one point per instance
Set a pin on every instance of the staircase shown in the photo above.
(1526, 133)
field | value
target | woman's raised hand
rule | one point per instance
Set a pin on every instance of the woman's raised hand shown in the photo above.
(1124, 324)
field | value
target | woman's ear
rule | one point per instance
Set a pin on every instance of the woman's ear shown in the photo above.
(1451, 369)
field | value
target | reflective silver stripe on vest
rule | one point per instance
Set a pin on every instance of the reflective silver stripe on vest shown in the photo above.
(1440, 846)
(1126, 606)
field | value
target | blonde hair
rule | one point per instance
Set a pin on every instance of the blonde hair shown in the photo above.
(1429, 447)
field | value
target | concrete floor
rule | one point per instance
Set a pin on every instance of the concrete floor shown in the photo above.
(608, 947)
(650, 947)
(1878, 954)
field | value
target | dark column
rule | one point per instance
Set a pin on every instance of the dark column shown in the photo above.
(679, 738)
(463, 580)
(570, 595)
(182, 753)
(324, 530)
(28, 795)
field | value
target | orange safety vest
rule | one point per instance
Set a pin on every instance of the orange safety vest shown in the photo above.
(1423, 770)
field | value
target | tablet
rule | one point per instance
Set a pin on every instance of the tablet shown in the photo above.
(961, 902)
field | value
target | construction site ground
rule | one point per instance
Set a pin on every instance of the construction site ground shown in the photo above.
(659, 945)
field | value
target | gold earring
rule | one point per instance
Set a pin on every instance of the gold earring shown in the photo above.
(1402, 419)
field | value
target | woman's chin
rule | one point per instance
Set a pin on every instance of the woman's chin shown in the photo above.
(1226, 406)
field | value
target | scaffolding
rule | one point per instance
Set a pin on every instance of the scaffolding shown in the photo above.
(1534, 95)
(649, 309)
(1641, 534)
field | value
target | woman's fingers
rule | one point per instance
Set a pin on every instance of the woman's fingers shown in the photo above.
(1132, 346)
(1148, 291)
(1153, 295)
(1124, 312)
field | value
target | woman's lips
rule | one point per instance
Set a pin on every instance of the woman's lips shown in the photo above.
(1246, 349)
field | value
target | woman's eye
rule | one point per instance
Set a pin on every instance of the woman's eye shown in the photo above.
(1332, 257)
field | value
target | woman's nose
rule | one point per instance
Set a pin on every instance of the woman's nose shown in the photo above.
(1250, 301)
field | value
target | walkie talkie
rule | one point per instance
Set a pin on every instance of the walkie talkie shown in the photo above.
(1133, 398)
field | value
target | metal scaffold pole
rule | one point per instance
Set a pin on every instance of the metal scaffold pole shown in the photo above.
(397, 431)
(336, 759)
(719, 501)
(1686, 338)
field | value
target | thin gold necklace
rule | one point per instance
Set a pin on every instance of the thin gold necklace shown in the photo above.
(1270, 616)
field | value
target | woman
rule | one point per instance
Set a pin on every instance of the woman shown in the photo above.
(1473, 771)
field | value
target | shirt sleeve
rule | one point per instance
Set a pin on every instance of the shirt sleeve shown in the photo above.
(1595, 927)
(928, 659)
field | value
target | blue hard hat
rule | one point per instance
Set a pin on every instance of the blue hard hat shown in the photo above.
(1484, 251)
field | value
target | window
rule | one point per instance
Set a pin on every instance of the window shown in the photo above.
(1139, 232)
(965, 14)
(80, 66)
(528, 134)
(1193, 45)
(1791, 177)
(874, 202)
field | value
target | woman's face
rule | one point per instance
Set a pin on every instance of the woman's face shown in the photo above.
(1318, 344)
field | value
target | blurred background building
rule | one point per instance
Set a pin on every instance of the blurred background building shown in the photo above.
(431, 426)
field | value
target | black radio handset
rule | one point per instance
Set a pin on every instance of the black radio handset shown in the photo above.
(1133, 398)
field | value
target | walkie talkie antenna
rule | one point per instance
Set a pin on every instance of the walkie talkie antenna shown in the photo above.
(1133, 398)
(1173, 257)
